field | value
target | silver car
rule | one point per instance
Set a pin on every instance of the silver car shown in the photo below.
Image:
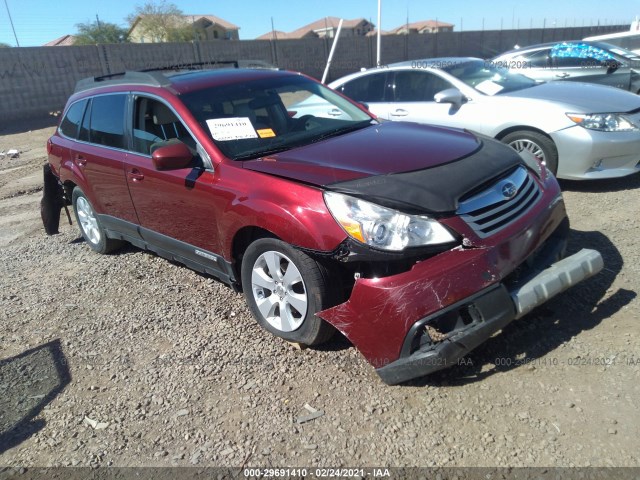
(578, 61)
(579, 130)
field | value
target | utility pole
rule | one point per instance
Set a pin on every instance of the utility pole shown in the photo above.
(11, 21)
(379, 34)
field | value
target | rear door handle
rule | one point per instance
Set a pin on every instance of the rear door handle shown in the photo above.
(563, 75)
(135, 175)
(400, 112)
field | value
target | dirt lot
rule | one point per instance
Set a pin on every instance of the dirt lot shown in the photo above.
(130, 360)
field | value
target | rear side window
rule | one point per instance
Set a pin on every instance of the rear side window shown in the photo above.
(71, 121)
(369, 88)
(107, 120)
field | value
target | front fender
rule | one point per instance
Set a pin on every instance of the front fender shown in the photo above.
(294, 212)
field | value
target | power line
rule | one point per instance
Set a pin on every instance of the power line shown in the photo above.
(11, 21)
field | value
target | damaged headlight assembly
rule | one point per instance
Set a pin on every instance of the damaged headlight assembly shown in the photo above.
(384, 228)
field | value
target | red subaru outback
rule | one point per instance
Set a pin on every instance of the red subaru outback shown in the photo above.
(416, 242)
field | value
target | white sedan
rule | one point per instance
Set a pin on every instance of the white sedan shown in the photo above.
(580, 130)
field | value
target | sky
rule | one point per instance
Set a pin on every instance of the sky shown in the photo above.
(37, 22)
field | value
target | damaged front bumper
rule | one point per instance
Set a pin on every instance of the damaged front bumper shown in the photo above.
(422, 320)
(486, 313)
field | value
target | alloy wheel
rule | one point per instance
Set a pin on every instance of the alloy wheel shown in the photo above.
(279, 291)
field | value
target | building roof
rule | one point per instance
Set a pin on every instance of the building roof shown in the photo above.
(213, 19)
(374, 33)
(421, 25)
(269, 35)
(194, 19)
(319, 25)
(325, 23)
(63, 41)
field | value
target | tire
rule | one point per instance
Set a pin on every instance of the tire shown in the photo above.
(285, 303)
(538, 144)
(89, 224)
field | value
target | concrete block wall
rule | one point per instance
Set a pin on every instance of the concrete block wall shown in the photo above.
(37, 80)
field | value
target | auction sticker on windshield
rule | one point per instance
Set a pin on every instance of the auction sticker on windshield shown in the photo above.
(237, 128)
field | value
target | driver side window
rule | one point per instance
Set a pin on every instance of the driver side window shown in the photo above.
(418, 86)
(156, 125)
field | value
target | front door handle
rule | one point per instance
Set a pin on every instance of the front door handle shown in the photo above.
(81, 161)
(563, 75)
(400, 112)
(135, 175)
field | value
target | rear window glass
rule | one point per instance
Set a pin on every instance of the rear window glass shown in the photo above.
(107, 120)
(71, 121)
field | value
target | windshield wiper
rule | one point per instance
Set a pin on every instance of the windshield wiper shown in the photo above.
(342, 131)
(264, 153)
(306, 141)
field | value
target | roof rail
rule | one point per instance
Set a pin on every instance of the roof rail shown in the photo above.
(192, 66)
(154, 78)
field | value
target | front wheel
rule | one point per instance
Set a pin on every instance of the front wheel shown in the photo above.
(90, 225)
(285, 288)
(541, 146)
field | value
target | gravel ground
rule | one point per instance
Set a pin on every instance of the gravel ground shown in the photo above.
(130, 360)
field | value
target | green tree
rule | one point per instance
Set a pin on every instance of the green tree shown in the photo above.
(91, 33)
(160, 22)
(5, 45)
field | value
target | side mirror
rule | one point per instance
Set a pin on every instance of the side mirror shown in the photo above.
(365, 105)
(450, 95)
(172, 156)
(612, 66)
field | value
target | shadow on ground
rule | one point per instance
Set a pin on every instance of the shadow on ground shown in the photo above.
(602, 186)
(542, 331)
(28, 382)
(22, 126)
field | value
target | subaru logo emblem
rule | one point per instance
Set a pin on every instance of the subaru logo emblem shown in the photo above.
(509, 190)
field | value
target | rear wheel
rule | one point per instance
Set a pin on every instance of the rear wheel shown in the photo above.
(538, 144)
(90, 226)
(285, 288)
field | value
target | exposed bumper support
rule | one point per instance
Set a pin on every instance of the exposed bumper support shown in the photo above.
(495, 308)
(556, 279)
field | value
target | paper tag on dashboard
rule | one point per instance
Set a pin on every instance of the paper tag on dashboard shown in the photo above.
(488, 87)
(225, 129)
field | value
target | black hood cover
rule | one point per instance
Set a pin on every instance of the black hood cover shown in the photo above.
(436, 190)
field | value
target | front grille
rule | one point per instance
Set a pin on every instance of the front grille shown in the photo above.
(501, 204)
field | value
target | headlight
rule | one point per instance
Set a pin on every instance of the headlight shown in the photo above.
(384, 228)
(603, 122)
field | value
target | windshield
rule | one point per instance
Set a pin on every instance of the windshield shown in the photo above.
(487, 78)
(252, 119)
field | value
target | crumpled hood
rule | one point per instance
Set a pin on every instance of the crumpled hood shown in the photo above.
(586, 97)
(377, 150)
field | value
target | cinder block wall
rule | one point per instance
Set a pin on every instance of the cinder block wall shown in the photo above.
(35, 81)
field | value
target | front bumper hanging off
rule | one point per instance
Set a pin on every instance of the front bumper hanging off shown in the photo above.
(490, 310)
